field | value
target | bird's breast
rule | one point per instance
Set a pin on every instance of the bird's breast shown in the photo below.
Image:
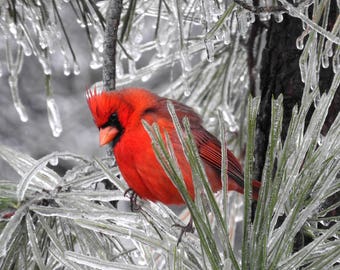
(143, 172)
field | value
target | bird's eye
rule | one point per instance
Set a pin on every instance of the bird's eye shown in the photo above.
(113, 119)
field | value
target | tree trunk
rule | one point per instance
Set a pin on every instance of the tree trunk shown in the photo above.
(280, 74)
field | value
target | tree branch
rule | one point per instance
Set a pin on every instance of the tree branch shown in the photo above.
(258, 10)
(110, 42)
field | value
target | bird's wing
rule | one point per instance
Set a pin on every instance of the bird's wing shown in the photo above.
(209, 149)
(208, 145)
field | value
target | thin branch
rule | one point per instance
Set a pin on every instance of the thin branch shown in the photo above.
(99, 15)
(258, 10)
(64, 30)
(127, 24)
(110, 42)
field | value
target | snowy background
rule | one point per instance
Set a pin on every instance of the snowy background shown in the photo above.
(79, 134)
(34, 137)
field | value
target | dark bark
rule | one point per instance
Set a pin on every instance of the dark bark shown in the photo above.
(280, 74)
(110, 42)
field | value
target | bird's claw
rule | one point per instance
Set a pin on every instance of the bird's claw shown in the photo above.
(133, 199)
(184, 229)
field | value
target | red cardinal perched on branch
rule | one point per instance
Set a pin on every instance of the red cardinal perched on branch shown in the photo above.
(118, 116)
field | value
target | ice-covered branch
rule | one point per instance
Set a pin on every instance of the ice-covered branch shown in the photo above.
(109, 58)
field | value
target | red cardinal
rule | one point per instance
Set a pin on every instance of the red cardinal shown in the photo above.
(118, 116)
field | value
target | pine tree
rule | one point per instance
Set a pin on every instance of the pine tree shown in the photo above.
(264, 75)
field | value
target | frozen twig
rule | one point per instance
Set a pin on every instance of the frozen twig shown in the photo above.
(258, 10)
(112, 23)
(293, 11)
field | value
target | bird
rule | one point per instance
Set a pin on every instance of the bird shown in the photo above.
(118, 115)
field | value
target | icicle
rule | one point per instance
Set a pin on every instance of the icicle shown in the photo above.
(316, 99)
(329, 50)
(227, 37)
(164, 33)
(13, 29)
(52, 110)
(185, 81)
(187, 91)
(119, 69)
(209, 46)
(80, 22)
(54, 117)
(324, 60)
(325, 223)
(161, 51)
(45, 62)
(98, 40)
(20, 108)
(242, 23)
(134, 51)
(51, 37)
(26, 47)
(206, 9)
(278, 17)
(96, 62)
(42, 39)
(336, 62)
(264, 16)
(250, 17)
(229, 118)
(164, 37)
(206, 12)
(219, 35)
(132, 68)
(299, 42)
(67, 66)
(14, 67)
(185, 60)
(303, 69)
(70, 176)
(313, 64)
(320, 139)
(305, 12)
(54, 161)
(227, 264)
(76, 68)
(146, 77)
(136, 35)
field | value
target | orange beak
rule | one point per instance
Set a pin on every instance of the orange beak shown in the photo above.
(107, 134)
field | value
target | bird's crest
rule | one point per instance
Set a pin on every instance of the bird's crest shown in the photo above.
(98, 102)
(93, 91)
(129, 103)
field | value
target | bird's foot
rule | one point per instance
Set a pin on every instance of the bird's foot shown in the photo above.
(133, 199)
(184, 229)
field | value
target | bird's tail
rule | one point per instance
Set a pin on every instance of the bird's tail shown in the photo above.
(237, 184)
(256, 189)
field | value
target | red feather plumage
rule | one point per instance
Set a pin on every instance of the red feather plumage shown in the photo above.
(134, 153)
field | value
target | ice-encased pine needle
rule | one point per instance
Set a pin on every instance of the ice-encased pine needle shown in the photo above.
(32, 237)
(54, 117)
(100, 263)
